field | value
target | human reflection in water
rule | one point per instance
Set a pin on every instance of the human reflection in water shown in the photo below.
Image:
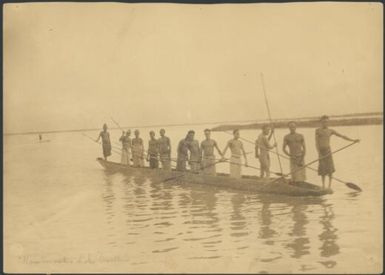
(300, 242)
(161, 197)
(238, 220)
(201, 202)
(134, 193)
(108, 196)
(109, 200)
(265, 231)
(328, 236)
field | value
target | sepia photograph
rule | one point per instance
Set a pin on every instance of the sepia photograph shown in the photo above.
(193, 138)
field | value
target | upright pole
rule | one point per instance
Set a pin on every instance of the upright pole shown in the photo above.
(271, 122)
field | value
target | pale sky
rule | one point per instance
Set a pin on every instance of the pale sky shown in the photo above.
(74, 65)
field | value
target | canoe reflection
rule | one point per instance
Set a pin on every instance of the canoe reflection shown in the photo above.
(171, 217)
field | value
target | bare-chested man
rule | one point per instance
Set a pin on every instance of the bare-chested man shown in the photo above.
(164, 146)
(322, 140)
(297, 151)
(262, 147)
(195, 152)
(208, 157)
(182, 154)
(236, 148)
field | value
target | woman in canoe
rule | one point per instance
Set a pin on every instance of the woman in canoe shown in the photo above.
(137, 150)
(106, 143)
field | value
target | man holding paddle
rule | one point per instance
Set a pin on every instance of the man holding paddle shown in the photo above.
(106, 142)
(262, 147)
(322, 140)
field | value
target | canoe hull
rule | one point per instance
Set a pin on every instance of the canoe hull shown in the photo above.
(252, 184)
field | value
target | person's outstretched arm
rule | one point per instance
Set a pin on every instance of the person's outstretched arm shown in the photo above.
(344, 137)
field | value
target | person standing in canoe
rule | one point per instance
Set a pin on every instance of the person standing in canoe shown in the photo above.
(106, 142)
(297, 151)
(137, 150)
(126, 147)
(208, 157)
(262, 147)
(322, 140)
(153, 151)
(182, 154)
(195, 152)
(236, 148)
(164, 145)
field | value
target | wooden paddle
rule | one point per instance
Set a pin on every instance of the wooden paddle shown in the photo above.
(113, 148)
(348, 184)
(185, 173)
(271, 122)
(117, 124)
(254, 167)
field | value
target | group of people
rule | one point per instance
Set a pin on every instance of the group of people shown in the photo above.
(201, 156)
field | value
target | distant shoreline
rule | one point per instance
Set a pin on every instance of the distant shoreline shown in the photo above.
(369, 118)
(306, 123)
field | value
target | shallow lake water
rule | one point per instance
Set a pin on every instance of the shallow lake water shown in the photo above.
(64, 212)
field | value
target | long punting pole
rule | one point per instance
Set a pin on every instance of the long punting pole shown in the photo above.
(271, 122)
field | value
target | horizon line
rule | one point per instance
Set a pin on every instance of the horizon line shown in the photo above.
(184, 124)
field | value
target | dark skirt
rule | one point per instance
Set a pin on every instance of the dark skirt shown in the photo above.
(154, 163)
(325, 164)
(106, 149)
(181, 165)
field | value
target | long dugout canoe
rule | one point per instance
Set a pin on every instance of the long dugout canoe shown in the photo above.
(251, 184)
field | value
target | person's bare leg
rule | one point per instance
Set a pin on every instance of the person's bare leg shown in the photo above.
(323, 181)
(268, 173)
(330, 181)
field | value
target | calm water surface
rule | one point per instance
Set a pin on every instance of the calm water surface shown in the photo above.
(64, 212)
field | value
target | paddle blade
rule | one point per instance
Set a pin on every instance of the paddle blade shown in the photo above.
(353, 186)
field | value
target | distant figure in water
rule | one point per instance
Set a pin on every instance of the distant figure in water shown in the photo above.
(153, 151)
(322, 140)
(297, 151)
(126, 147)
(262, 148)
(164, 144)
(40, 137)
(236, 148)
(106, 143)
(137, 150)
